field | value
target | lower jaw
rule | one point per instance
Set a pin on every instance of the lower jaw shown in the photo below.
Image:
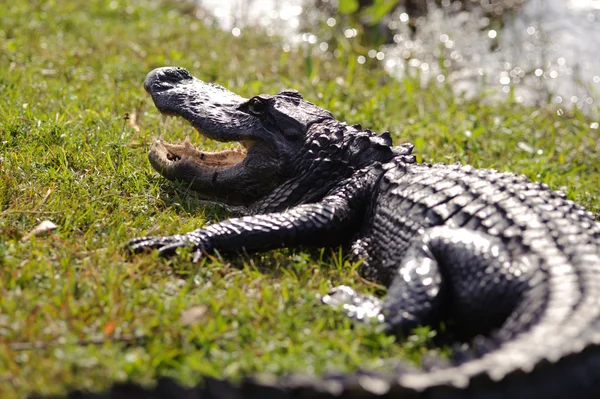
(170, 154)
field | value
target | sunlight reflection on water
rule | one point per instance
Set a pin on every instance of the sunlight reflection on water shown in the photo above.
(546, 51)
(277, 17)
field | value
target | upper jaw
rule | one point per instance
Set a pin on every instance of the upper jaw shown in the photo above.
(211, 109)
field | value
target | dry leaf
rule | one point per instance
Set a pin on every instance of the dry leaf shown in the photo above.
(193, 315)
(40, 229)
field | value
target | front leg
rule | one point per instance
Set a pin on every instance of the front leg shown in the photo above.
(329, 222)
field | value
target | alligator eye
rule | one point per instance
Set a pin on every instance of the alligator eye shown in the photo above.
(257, 106)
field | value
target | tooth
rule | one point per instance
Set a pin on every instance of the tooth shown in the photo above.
(164, 117)
(187, 143)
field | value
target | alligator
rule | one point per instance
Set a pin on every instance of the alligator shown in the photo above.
(509, 267)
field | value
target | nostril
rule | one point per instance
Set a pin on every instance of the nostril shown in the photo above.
(174, 75)
(184, 73)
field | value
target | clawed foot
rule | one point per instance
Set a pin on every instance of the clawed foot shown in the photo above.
(166, 246)
(360, 307)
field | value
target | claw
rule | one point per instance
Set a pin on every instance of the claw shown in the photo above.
(168, 250)
(141, 244)
(167, 246)
(198, 254)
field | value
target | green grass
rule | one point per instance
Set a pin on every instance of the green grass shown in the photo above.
(76, 312)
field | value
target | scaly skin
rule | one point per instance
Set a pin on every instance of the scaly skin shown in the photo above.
(506, 264)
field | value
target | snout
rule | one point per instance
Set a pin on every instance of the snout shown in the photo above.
(165, 78)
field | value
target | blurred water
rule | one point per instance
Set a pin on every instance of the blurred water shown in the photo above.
(546, 51)
(549, 50)
(281, 17)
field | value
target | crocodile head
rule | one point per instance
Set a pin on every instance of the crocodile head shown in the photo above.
(284, 139)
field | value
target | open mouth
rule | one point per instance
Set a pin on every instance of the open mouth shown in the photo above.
(170, 154)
